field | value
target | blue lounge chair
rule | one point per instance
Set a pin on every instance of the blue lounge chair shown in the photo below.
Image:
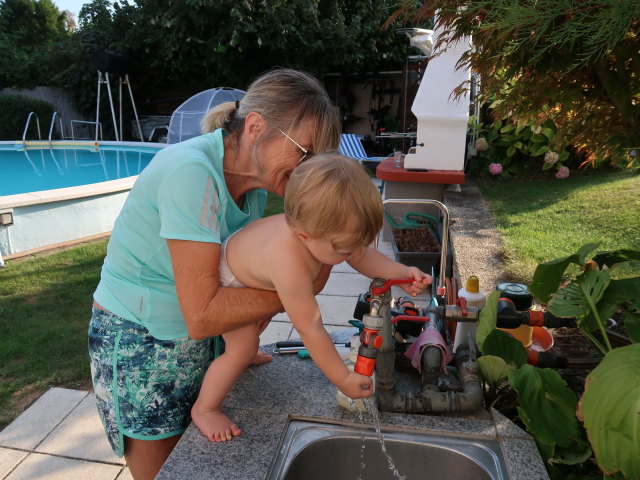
(351, 146)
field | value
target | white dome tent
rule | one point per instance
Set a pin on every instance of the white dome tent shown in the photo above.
(185, 120)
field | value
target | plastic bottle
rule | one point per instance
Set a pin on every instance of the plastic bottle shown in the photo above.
(475, 298)
(341, 398)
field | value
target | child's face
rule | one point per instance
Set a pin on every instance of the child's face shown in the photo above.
(331, 249)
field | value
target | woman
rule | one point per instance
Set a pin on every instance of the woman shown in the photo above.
(159, 300)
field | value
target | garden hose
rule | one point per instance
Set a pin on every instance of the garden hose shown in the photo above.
(412, 220)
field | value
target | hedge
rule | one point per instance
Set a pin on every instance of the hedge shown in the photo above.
(14, 110)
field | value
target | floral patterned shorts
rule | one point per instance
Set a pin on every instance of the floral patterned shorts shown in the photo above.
(144, 387)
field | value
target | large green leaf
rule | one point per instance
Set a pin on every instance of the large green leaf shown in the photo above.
(577, 298)
(546, 405)
(488, 318)
(626, 290)
(548, 276)
(632, 324)
(610, 408)
(616, 256)
(503, 345)
(494, 370)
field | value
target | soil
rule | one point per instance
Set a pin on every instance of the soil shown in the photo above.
(580, 352)
(415, 240)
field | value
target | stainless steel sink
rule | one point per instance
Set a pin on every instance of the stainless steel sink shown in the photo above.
(320, 451)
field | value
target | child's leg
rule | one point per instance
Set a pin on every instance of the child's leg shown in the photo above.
(241, 346)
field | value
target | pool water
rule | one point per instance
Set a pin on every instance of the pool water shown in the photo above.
(34, 170)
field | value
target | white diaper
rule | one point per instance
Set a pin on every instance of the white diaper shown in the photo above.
(227, 278)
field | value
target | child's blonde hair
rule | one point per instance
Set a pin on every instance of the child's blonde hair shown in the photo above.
(329, 194)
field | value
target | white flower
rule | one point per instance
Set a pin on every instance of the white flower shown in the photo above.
(481, 144)
(551, 157)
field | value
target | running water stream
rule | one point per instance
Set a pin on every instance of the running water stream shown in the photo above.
(372, 411)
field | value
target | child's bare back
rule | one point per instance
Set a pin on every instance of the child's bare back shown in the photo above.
(267, 246)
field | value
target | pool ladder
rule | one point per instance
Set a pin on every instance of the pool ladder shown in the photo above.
(55, 116)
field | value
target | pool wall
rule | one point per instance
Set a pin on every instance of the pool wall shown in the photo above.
(52, 218)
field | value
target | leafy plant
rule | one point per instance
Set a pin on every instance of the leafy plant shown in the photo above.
(577, 59)
(608, 422)
(14, 110)
(518, 145)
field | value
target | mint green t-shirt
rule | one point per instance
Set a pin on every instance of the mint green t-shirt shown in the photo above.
(180, 195)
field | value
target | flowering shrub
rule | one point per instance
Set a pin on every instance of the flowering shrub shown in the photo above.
(518, 149)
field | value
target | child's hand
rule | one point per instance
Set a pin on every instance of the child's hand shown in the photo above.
(356, 386)
(420, 283)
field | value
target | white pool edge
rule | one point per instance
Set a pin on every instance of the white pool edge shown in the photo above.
(86, 202)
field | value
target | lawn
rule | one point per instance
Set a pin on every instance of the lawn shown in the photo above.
(45, 306)
(546, 219)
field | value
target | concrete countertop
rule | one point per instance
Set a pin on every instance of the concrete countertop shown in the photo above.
(267, 396)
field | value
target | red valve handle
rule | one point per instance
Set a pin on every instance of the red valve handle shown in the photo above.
(410, 318)
(387, 285)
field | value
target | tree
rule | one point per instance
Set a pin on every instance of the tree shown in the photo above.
(574, 61)
(28, 31)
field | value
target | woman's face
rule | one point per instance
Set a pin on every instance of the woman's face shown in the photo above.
(280, 155)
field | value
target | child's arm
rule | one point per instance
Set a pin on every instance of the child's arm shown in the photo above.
(374, 264)
(296, 293)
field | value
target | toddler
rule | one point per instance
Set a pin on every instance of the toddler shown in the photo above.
(332, 213)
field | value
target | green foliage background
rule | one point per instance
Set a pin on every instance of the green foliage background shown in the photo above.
(13, 112)
(180, 48)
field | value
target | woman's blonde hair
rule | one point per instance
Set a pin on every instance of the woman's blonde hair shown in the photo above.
(285, 98)
(329, 194)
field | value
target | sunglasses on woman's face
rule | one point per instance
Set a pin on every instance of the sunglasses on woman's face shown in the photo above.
(305, 153)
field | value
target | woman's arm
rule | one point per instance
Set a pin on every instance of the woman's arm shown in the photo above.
(208, 308)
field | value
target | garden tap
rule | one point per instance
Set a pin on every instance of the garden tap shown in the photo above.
(371, 339)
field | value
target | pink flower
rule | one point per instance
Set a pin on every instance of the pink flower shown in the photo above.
(563, 172)
(495, 169)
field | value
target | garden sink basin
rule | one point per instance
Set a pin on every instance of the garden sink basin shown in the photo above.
(320, 451)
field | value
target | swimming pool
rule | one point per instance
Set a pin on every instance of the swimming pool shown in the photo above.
(53, 194)
(34, 169)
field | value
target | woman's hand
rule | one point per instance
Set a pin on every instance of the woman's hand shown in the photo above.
(356, 386)
(420, 281)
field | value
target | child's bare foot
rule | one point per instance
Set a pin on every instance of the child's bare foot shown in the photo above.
(215, 425)
(261, 357)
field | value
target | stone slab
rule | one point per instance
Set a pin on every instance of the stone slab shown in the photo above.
(9, 459)
(41, 466)
(34, 424)
(81, 436)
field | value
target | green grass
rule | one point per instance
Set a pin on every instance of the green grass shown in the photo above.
(45, 306)
(547, 219)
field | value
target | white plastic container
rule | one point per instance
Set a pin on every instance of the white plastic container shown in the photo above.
(475, 298)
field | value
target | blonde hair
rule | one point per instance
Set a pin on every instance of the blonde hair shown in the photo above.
(285, 98)
(329, 194)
